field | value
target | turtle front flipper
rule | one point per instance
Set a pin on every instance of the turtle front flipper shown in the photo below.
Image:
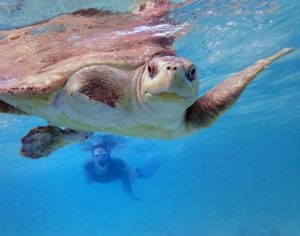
(44, 140)
(217, 100)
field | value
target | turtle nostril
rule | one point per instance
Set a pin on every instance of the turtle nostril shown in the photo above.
(168, 68)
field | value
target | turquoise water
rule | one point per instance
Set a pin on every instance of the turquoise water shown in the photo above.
(240, 177)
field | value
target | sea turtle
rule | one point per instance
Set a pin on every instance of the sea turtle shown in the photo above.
(95, 70)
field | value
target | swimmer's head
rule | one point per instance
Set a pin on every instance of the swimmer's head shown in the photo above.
(100, 155)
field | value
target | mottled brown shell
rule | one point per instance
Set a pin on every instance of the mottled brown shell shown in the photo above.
(38, 59)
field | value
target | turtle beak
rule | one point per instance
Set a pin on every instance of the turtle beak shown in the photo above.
(177, 82)
(170, 79)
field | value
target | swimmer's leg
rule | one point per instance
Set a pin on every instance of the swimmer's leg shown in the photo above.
(148, 170)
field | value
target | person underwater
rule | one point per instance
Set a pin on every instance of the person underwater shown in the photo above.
(103, 168)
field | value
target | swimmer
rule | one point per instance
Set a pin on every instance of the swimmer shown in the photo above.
(105, 169)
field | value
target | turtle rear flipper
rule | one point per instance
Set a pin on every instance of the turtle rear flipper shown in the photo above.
(44, 140)
(7, 108)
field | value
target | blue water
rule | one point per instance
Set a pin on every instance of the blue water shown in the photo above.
(240, 177)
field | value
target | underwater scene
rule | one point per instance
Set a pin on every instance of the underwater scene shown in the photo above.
(106, 127)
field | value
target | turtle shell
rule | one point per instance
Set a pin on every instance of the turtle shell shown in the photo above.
(40, 58)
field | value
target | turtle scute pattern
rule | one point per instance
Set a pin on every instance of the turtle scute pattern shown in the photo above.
(40, 58)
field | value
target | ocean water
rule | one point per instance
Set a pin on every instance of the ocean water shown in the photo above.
(240, 177)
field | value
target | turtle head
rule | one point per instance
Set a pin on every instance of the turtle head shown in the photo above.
(170, 79)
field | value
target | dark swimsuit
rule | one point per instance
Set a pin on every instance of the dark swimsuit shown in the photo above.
(116, 171)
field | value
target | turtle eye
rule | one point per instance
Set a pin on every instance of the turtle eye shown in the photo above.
(192, 73)
(151, 70)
